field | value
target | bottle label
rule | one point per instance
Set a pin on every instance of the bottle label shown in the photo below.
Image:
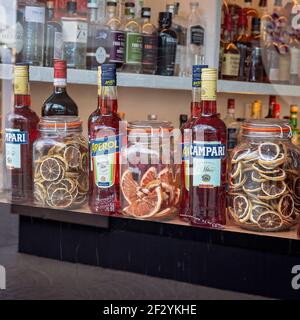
(117, 41)
(75, 31)
(197, 35)
(295, 61)
(21, 85)
(207, 160)
(284, 68)
(35, 14)
(149, 50)
(14, 138)
(58, 46)
(232, 138)
(231, 64)
(104, 160)
(209, 90)
(134, 46)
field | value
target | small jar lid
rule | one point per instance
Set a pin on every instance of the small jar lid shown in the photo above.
(61, 124)
(267, 128)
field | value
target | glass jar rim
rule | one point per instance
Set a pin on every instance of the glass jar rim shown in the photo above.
(149, 127)
(266, 128)
(60, 123)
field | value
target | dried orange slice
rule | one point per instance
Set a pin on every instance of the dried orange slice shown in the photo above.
(270, 221)
(276, 175)
(238, 182)
(50, 169)
(61, 199)
(268, 151)
(251, 186)
(257, 177)
(146, 207)
(148, 177)
(240, 155)
(164, 213)
(72, 156)
(286, 206)
(152, 185)
(273, 189)
(241, 207)
(250, 157)
(177, 196)
(273, 163)
(166, 176)
(129, 187)
(257, 211)
(260, 169)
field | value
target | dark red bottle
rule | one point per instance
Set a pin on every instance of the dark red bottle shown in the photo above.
(60, 103)
(20, 133)
(208, 155)
(103, 127)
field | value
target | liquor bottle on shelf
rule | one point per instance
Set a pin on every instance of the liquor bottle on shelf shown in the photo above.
(294, 47)
(243, 44)
(294, 124)
(266, 26)
(34, 31)
(60, 103)
(53, 39)
(250, 11)
(134, 41)
(103, 127)
(270, 55)
(231, 124)
(276, 111)
(186, 135)
(195, 39)
(149, 31)
(231, 7)
(272, 102)
(256, 110)
(20, 133)
(75, 34)
(208, 156)
(179, 25)
(231, 54)
(167, 44)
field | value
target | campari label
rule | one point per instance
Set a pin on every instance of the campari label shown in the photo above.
(14, 138)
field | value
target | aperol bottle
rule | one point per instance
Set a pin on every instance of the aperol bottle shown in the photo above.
(20, 133)
(208, 156)
(104, 145)
(184, 212)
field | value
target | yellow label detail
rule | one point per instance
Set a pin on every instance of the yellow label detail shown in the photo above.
(209, 90)
(21, 85)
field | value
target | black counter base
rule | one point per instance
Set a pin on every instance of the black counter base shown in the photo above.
(237, 262)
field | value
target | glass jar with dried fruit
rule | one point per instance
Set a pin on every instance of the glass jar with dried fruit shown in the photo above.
(60, 163)
(150, 170)
(264, 177)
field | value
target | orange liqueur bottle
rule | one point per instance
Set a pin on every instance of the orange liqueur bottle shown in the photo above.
(104, 145)
(208, 156)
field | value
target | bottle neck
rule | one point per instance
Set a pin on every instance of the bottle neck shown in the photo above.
(92, 14)
(60, 85)
(107, 100)
(22, 101)
(196, 102)
(21, 92)
(294, 120)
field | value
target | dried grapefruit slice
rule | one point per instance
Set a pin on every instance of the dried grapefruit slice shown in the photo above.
(268, 151)
(166, 176)
(129, 187)
(50, 169)
(146, 207)
(270, 221)
(148, 177)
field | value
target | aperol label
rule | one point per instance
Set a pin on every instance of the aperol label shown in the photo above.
(206, 160)
(104, 152)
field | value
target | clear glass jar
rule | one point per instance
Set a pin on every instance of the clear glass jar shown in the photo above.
(60, 163)
(150, 176)
(264, 177)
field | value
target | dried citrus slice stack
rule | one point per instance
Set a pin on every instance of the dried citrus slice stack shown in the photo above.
(264, 186)
(61, 173)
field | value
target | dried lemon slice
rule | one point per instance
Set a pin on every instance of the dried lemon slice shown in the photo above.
(83, 182)
(251, 186)
(236, 169)
(277, 175)
(273, 163)
(268, 151)
(50, 169)
(241, 207)
(240, 155)
(257, 211)
(61, 199)
(72, 156)
(286, 206)
(273, 189)
(270, 221)
(257, 177)
(238, 181)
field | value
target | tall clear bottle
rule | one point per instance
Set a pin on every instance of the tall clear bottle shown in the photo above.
(208, 154)
(149, 31)
(231, 124)
(195, 38)
(75, 35)
(34, 30)
(134, 41)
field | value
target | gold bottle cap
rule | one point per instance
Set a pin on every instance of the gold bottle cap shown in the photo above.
(294, 108)
(21, 71)
(209, 74)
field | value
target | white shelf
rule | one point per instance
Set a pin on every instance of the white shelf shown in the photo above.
(86, 77)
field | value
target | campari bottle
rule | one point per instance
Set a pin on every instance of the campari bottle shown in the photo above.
(208, 156)
(186, 135)
(104, 145)
(20, 133)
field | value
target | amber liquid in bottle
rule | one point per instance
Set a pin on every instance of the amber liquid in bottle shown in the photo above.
(208, 154)
(20, 133)
(104, 129)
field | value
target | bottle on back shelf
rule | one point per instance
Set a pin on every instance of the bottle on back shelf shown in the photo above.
(103, 127)
(208, 156)
(167, 44)
(270, 53)
(134, 41)
(34, 33)
(60, 103)
(20, 133)
(149, 31)
(276, 111)
(256, 110)
(195, 39)
(272, 102)
(250, 11)
(231, 124)
(294, 124)
(75, 35)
